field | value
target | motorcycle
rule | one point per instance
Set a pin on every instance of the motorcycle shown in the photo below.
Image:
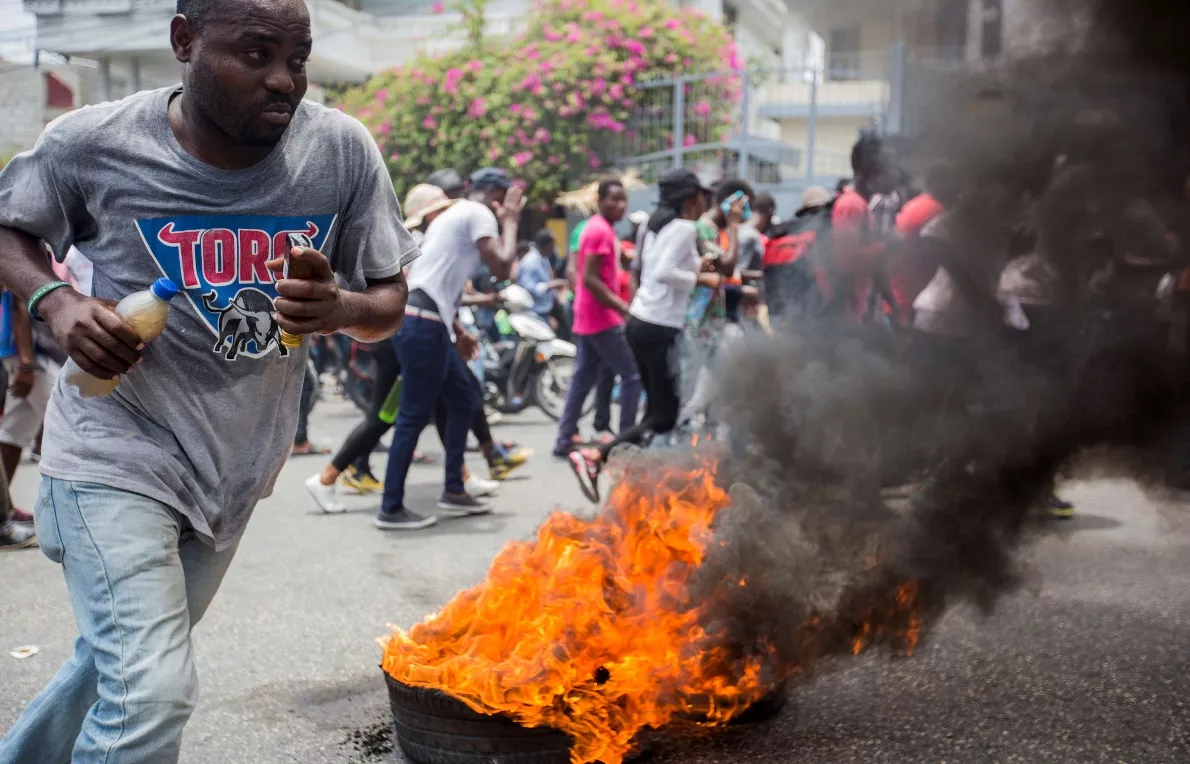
(528, 367)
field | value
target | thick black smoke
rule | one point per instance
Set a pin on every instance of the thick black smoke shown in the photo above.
(1078, 154)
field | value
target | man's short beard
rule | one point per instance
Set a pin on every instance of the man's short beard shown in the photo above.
(203, 93)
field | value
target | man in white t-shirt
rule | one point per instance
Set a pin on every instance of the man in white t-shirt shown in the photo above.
(454, 244)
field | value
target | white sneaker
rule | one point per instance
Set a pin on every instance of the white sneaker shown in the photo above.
(477, 486)
(324, 495)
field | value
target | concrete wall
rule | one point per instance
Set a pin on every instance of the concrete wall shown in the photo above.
(25, 114)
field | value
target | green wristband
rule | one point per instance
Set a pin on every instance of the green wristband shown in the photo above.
(40, 294)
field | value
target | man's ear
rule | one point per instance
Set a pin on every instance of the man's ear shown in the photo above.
(181, 38)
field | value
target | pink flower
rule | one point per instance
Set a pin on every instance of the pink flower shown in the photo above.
(533, 54)
(645, 33)
(598, 85)
(493, 154)
(616, 91)
(689, 140)
(430, 123)
(423, 100)
(438, 7)
(515, 108)
(385, 128)
(381, 95)
(394, 157)
(551, 35)
(634, 47)
(702, 108)
(671, 58)
(687, 62)
(541, 135)
(450, 83)
(477, 109)
(364, 113)
(573, 36)
(672, 24)
(554, 159)
(521, 159)
(592, 16)
(592, 160)
(475, 65)
(511, 141)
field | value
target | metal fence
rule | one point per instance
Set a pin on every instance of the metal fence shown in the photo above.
(792, 128)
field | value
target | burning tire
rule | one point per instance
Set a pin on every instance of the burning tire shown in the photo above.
(434, 728)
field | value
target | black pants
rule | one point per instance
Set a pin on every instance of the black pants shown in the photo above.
(361, 440)
(655, 348)
(309, 388)
(479, 425)
(357, 448)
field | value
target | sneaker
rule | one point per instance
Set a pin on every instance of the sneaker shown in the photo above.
(494, 417)
(360, 481)
(1059, 507)
(404, 520)
(324, 495)
(462, 505)
(586, 470)
(503, 464)
(21, 516)
(477, 486)
(17, 536)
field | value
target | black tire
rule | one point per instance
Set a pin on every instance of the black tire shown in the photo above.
(434, 728)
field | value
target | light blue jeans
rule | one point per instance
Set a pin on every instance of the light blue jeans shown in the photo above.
(139, 580)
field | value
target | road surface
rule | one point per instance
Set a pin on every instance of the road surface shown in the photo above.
(1090, 664)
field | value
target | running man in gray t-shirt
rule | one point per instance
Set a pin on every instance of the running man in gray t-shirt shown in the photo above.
(147, 490)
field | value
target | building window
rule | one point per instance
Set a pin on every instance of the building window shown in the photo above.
(992, 35)
(842, 56)
(952, 30)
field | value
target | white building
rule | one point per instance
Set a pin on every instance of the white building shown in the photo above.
(129, 39)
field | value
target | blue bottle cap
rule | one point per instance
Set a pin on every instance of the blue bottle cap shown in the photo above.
(164, 289)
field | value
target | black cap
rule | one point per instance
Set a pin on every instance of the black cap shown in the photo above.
(679, 183)
(448, 180)
(490, 177)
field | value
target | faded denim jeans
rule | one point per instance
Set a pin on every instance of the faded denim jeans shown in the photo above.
(139, 580)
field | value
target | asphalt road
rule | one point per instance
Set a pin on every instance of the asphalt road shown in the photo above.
(1090, 664)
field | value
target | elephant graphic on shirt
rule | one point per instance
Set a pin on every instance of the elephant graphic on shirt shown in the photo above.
(247, 319)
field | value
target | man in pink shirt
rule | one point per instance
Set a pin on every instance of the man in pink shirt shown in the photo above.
(599, 313)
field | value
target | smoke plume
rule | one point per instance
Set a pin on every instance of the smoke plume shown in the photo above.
(1079, 153)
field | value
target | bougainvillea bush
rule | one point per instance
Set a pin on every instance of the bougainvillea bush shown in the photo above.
(543, 104)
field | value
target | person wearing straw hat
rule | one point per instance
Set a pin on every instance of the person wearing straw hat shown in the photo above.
(350, 463)
(465, 233)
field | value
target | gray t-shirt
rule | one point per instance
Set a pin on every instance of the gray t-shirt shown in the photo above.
(204, 424)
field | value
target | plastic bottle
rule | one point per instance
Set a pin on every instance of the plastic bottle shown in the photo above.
(146, 312)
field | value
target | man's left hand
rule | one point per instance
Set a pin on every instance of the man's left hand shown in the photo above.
(308, 305)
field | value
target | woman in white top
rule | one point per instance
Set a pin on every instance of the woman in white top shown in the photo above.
(670, 269)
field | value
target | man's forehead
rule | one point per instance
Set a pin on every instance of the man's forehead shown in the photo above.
(290, 16)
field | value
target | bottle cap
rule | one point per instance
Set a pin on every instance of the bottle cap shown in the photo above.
(164, 289)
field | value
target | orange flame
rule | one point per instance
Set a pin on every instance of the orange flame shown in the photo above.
(590, 629)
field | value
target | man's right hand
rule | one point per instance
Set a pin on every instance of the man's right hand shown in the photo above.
(94, 335)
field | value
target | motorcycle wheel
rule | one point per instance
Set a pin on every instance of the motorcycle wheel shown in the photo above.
(551, 384)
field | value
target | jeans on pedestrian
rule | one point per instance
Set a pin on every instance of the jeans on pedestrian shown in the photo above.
(603, 400)
(595, 352)
(139, 580)
(430, 367)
